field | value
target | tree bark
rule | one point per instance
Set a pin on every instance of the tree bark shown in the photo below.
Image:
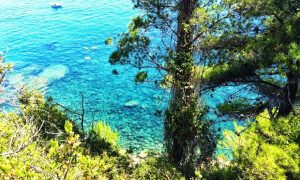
(180, 125)
(289, 96)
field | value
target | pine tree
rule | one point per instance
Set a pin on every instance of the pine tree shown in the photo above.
(260, 46)
(179, 25)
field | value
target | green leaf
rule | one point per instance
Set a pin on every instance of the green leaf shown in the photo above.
(108, 41)
(141, 76)
(68, 127)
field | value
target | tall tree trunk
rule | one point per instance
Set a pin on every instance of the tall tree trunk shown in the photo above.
(183, 123)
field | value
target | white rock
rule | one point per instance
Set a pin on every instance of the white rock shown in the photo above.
(143, 155)
(131, 103)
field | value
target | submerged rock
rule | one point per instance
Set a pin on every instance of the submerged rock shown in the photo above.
(38, 83)
(54, 73)
(17, 81)
(30, 69)
(131, 103)
(144, 106)
(115, 72)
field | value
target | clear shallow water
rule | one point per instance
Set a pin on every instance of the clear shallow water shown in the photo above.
(54, 49)
(56, 46)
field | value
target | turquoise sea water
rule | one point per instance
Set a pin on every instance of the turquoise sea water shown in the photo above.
(65, 49)
(63, 52)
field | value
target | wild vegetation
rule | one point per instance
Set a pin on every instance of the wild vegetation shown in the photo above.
(211, 45)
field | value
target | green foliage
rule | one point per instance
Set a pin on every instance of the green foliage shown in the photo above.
(13, 137)
(166, 82)
(20, 152)
(141, 76)
(293, 54)
(68, 127)
(139, 22)
(114, 57)
(256, 43)
(24, 155)
(157, 168)
(40, 142)
(4, 66)
(268, 149)
(45, 113)
(239, 106)
(215, 72)
(109, 41)
(217, 169)
(132, 43)
(103, 133)
(76, 164)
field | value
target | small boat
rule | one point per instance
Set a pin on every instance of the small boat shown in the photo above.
(88, 58)
(56, 5)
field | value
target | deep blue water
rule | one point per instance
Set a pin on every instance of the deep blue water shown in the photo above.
(63, 53)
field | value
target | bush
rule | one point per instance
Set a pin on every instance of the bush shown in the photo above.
(103, 138)
(24, 155)
(103, 132)
(267, 149)
(40, 142)
(78, 165)
(157, 168)
(44, 113)
(20, 152)
(218, 169)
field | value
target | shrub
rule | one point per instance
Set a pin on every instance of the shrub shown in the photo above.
(102, 137)
(157, 168)
(45, 113)
(23, 155)
(77, 165)
(20, 152)
(267, 149)
(218, 169)
(104, 132)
